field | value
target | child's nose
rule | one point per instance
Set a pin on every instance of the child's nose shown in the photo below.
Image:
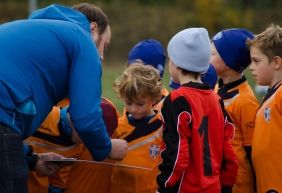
(251, 67)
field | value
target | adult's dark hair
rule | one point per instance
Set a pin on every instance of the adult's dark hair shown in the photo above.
(93, 14)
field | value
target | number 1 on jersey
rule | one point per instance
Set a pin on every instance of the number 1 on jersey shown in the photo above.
(203, 130)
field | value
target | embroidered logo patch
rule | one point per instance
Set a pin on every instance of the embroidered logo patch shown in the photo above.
(154, 151)
(267, 112)
(217, 36)
(160, 68)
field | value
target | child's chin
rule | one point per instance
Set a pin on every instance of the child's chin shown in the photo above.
(137, 117)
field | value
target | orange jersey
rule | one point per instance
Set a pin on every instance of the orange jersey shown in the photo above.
(241, 105)
(267, 143)
(91, 177)
(48, 139)
(144, 140)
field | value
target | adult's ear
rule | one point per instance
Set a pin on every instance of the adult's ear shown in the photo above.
(94, 27)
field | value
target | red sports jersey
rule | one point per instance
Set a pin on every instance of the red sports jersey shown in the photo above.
(197, 154)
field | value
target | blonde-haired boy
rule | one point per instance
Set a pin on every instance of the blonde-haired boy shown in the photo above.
(139, 87)
(266, 67)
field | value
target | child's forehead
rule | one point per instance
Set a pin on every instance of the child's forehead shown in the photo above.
(140, 99)
(213, 46)
(255, 50)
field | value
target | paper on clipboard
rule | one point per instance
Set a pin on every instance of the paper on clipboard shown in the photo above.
(67, 161)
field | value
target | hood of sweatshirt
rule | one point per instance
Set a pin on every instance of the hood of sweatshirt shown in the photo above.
(59, 12)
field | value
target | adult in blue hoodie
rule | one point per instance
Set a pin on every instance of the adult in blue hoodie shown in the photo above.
(44, 59)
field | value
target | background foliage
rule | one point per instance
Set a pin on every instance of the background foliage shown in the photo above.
(134, 20)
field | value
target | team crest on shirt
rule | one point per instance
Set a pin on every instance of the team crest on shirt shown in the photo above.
(267, 112)
(154, 151)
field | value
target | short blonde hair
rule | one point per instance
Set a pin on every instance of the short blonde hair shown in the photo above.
(269, 41)
(137, 81)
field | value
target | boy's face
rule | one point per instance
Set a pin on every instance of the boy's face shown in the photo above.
(261, 68)
(140, 108)
(217, 61)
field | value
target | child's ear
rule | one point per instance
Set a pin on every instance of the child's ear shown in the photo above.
(277, 60)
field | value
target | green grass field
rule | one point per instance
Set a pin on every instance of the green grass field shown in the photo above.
(110, 73)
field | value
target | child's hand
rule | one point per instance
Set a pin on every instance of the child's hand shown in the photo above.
(119, 149)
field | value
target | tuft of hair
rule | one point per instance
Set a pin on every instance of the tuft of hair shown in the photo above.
(269, 41)
(93, 14)
(185, 72)
(139, 81)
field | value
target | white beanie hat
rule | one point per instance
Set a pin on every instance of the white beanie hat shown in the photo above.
(190, 49)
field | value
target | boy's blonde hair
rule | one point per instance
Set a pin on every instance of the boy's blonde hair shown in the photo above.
(269, 41)
(138, 81)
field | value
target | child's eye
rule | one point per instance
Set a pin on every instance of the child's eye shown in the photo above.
(140, 104)
(255, 60)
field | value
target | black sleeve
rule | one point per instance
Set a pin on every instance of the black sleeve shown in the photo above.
(248, 150)
(225, 113)
(226, 190)
(170, 111)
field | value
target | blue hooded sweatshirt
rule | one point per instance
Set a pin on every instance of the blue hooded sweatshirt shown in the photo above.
(44, 59)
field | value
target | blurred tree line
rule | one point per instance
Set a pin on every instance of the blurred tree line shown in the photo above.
(134, 20)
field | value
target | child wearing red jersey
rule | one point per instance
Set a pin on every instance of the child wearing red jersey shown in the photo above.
(266, 55)
(230, 56)
(197, 153)
(139, 87)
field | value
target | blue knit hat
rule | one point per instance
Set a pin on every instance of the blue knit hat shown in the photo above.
(232, 48)
(210, 77)
(150, 52)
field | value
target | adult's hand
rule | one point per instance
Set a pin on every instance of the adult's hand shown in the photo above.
(119, 149)
(45, 167)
